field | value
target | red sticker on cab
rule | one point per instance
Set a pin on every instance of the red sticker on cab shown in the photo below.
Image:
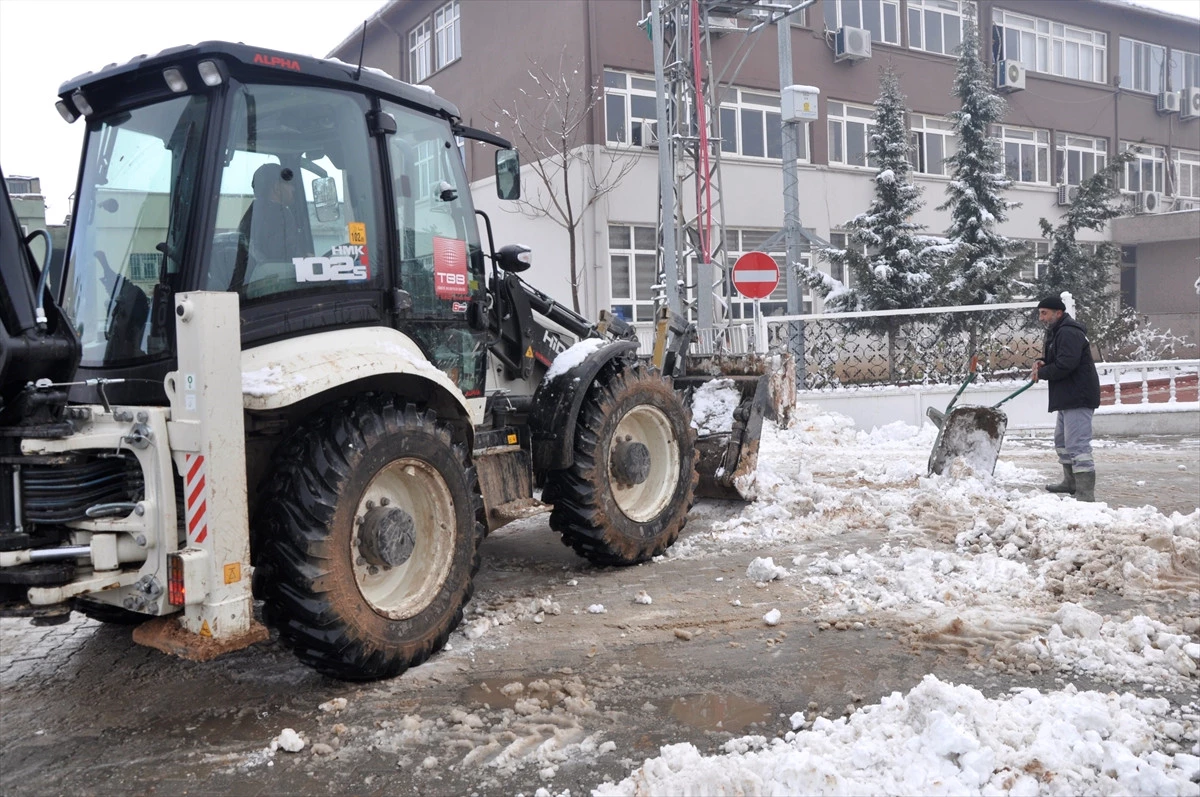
(450, 268)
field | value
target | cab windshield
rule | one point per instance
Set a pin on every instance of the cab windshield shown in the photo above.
(139, 174)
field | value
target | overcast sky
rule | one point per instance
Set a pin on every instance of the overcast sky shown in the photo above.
(46, 42)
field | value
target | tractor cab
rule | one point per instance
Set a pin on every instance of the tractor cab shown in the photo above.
(325, 196)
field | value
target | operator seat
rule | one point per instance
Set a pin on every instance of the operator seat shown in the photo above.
(273, 229)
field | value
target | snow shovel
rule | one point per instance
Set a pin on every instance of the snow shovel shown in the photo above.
(971, 433)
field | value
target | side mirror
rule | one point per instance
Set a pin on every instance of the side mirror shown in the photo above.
(325, 199)
(514, 258)
(508, 174)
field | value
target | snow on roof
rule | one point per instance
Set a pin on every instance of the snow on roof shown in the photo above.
(1154, 12)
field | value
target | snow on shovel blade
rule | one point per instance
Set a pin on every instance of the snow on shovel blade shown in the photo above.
(728, 406)
(973, 434)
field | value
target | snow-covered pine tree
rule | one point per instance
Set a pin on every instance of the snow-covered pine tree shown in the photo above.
(1087, 271)
(979, 267)
(1070, 266)
(886, 257)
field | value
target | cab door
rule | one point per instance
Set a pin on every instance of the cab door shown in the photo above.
(440, 263)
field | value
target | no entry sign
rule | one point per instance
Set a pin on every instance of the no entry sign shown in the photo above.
(755, 275)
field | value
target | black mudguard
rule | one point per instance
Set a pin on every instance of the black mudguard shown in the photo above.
(556, 406)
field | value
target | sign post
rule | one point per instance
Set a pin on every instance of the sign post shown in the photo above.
(755, 276)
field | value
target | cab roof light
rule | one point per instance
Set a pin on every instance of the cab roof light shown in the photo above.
(175, 80)
(210, 73)
(81, 103)
(66, 111)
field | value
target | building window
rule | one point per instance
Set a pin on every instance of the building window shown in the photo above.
(1145, 171)
(1078, 157)
(633, 260)
(1032, 255)
(881, 17)
(1185, 70)
(445, 29)
(932, 141)
(420, 51)
(1143, 66)
(1026, 153)
(143, 266)
(750, 126)
(630, 109)
(935, 26)
(434, 41)
(17, 185)
(1050, 47)
(850, 129)
(1186, 165)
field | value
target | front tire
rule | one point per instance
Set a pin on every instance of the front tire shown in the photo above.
(372, 525)
(626, 497)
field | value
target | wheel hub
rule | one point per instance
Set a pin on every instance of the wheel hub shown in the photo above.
(387, 536)
(630, 462)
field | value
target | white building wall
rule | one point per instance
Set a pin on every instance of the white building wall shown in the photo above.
(752, 197)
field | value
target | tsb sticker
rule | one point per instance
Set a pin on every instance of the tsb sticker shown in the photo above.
(450, 268)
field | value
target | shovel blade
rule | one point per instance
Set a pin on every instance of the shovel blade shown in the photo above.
(760, 387)
(973, 434)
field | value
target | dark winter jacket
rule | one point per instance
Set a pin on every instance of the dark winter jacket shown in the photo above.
(1068, 366)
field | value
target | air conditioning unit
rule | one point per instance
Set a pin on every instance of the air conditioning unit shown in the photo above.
(1010, 75)
(1190, 104)
(720, 25)
(1187, 204)
(650, 135)
(1067, 194)
(852, 44)
(1149, 202)
(1168, 102)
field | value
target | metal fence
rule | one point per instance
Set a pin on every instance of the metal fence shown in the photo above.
(907, 347)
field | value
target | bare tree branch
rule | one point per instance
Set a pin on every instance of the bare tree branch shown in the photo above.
(549, 123)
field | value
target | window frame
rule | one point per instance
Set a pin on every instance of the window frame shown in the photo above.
(836, 113)
(740, 102)
(632, 127)
(1149, 85)
(1036, 138)
(431, 38)
(923, 9)
(919, 133)
(420, 52)
(649, 254)
(1050, 42)
(834, 13)
(1189, 64)
(1152, 154)
(1067, 143)
(1182, 159)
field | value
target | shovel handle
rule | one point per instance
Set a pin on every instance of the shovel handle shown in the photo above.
(1014, 394)
(970, 378)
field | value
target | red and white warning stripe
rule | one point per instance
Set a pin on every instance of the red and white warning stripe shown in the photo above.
(195, 506)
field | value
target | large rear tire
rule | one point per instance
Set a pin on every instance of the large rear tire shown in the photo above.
(372, 524)
(627, 496)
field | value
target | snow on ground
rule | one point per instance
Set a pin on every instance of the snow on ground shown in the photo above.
(946, 739)
(992, 559)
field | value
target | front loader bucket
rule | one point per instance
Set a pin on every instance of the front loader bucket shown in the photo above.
(730, 396)
(973, 434)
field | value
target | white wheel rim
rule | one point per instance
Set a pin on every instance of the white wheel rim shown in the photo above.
(405, 590)
(649, 426)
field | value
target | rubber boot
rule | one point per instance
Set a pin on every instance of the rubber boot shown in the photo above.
(1085, 486)
(1067, 485)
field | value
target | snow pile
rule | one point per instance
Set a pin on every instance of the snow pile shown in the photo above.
(288, 740)
(765, 569)
(945, 739)
(713, 404)
(573, 356)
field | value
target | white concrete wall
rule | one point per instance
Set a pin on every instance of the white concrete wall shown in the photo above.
(874, 407)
